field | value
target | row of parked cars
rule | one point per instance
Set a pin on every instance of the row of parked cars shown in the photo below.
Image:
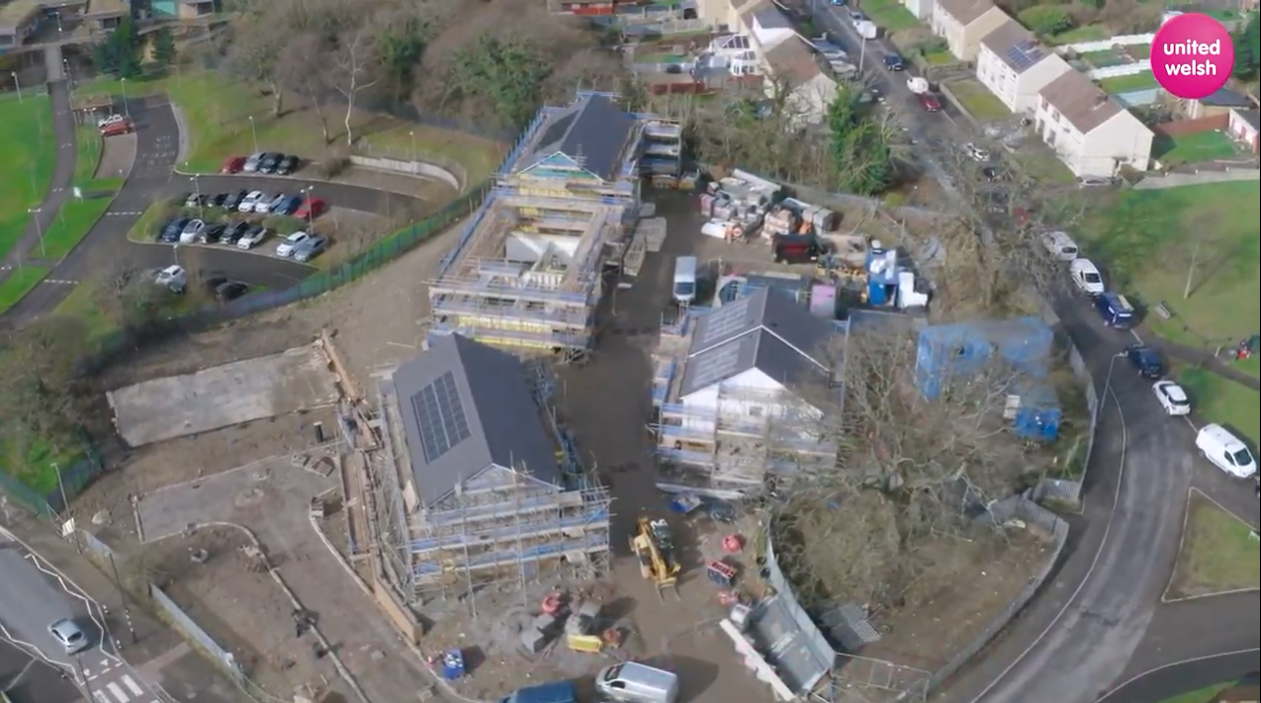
(265, 162)
(1218, 445)
(242, 234)
(257, 202)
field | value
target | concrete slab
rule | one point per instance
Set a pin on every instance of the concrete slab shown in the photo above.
(222, 396)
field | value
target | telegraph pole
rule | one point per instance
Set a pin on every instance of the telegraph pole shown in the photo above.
(122, 593)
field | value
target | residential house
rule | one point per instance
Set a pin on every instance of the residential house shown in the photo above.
(793, 67)
(1244, 127)
(1215, 105)
(182, 9)
(18, 21)
(964, 23)
(922, 9)
(1015, 67)
(107, 14)
(1088, 129)
(767, 24)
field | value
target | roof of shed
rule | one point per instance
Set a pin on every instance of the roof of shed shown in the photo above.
(1252, 117)
(966, 12)
(1085, 105)
(1225, 97)
(594, 131)
(466, 406)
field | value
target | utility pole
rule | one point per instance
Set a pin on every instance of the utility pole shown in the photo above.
(122, 593)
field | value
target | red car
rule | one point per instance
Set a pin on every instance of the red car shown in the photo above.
(234, 164)
(311, 208)
(930, 103)
(116, 128)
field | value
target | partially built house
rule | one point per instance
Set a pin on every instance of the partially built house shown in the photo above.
(528, 272)
(481, 485)
(741, 392)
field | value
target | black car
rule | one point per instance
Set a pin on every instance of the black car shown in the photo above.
(991, 174)
(171, 232)
(288, 165)
(1146, 361)
(234, 199)
(270, 162)
(211, 234)
(234, 232)
(230, 290)
(194, 200)
(218, 200)
(214, 282)
(894, 62)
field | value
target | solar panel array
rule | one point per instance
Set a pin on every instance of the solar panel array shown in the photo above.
(714, 365)
(1025, 54)
(440, 416)
(724, 321)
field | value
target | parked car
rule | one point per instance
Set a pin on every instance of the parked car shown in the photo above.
(255, 234)
(192, 231)
(212, 282)
(115, 129)
(269, 162)
(1172, 398)
(233, 164)
(1086, 276)
(218, 199)
(195, 200)
(288, 207)
(1096, 182)
(286, 247)
(233, 201)
(266, 207)
(1146, 361)
(1226, 451)
(251, 162)
(173, 229)
(288, 165)
(894, 62)
(251, 201)
(311, 208)
(211, 233)
(230, 290)
(69, 635)
(929, 102)
(857, 16)
(991, 174)
(233, 232)
(109, 120)
(976, 153)
(173, 277)
(1060, 245)
(310, 248)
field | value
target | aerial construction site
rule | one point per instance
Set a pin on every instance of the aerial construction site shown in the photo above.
(528, 271)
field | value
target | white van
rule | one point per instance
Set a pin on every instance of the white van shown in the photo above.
(684, 290)
(1226, 451)
(631, 682)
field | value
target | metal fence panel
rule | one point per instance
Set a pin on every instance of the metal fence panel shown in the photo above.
(193, 631)
(814, 658)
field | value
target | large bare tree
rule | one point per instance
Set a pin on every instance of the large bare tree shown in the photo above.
(355, 70)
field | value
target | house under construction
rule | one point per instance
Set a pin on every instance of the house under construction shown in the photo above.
(484, 485)
(528, 272)
(741, 393)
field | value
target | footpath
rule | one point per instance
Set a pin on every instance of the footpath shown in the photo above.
(1203, 357)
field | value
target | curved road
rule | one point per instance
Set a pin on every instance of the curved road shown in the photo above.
(1191, 675)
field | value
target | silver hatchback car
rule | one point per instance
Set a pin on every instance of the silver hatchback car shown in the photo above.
(69, 635)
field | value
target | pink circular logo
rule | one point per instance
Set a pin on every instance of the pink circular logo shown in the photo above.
(1192, 56)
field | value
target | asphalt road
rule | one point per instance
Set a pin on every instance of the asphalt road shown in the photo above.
(27, 679)
(1160, 684)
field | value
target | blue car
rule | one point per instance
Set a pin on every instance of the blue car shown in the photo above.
(1146, 361)
(1115, 310)
(288, 206)
(894, 62)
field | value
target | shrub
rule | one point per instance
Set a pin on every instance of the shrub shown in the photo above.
(1046, 20)
(334, 162)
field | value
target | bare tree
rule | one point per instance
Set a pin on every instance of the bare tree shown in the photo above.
(298, 70)
(254, 53)
(354, 63)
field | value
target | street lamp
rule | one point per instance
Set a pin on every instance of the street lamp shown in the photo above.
(175, 251)
(39, 229)
(254, 133)
(17, 84)
(310, 211)
(413, 136)
(126, 109)
(201, 208)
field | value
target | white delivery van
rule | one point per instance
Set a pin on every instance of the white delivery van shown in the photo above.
(1226, 451)
(684, 290)
(632, 682)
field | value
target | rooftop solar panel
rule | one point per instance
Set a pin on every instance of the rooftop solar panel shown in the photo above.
(440, 415)
(714, 365)
(725, 320)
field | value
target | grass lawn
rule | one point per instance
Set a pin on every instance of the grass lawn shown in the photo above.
(1202, 695)
(217, 112)
(1223, 401)
(1218, 553)
(889, 15)
(1146, 239)
(1043, 166)
(1191, 148)
(20, 282)
(28, 151)
(38, 469)
(978, 100)
(1101, 59)
(1129, 84)
(81, 303)
(941, 57)
(72, 225)
(1138, 52)
(1080, 35)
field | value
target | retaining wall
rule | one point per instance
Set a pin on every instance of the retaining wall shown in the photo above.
(412, 168)
(1088, 47)
(1176, 180)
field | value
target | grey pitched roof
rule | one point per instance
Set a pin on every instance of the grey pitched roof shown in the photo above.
(1225, 97)
(466, 406)
(771, 18)
(1080, 101)
(767, 330)
(594, 132)
(965, 12)
(1015, 46)
(1252, 117)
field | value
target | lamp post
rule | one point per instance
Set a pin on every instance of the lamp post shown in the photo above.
(310, 210)
(254, 134)
(413, 136)
(201, 207)
(39, 229)
(17, 84)
(126, 108)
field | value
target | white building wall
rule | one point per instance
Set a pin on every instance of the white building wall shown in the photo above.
(1122, 140)
(1033, 80)
(999, 78)
(922, 9)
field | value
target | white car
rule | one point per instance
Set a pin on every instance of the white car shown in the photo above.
(173, 277)
(1060, 245)
(266, 205)
(976, 153)
(252, 237)
(1086, 276)
(250, 201)
(109, 120)
(1226, 451)
(192, 231)
(69, 635)
(1172, 398)
(285, 248)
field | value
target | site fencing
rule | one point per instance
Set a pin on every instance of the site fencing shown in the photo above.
(70, 480)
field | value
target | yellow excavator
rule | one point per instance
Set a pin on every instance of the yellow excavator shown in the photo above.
(653, 543)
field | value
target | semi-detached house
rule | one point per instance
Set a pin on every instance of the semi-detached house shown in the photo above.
(964, 23)
(1088, 129)
(1014, 67)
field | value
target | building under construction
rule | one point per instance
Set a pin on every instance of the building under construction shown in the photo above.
(478, 483)
(528, 272)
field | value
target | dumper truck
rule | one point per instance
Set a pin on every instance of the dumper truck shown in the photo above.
(553, 692)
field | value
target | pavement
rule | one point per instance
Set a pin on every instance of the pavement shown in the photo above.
(29, 679)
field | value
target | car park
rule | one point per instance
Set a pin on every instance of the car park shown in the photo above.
(192, 231)
(1086, 276)
(286, 247)
(211, 233)
(310, 248)
(894, 62)
(1225, 451)
(266, 207)
(233, 164)
(288, 164)
(173, 229)
(1172, 398)
(1115, 309)
(1060, 245)
(173, 277)
(233, 201)
(69, 635)
(1146, 361)
(929, 102)
(270, 162)
(233, 233)
(311, 208)
(230, 290)
(289, 206)
(250, 201)
(253, 235)
(196, 200)
(251, 162)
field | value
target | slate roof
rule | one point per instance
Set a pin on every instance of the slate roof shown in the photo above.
(1009, 37)
(1252, 117)
(965, 12)
(793, 61)
(594, 131)
(1225, 97)
(1080, 101)
(466, 406)
(768, 331)
(771, 18)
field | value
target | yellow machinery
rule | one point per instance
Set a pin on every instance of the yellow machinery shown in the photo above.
(658, 558)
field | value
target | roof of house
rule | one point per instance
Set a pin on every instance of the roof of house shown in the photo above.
(1015, 46)
(1225, 97)
(965, 12)
(1080, 101)
(17, 13)
(1252, 117)
(594, 131)
(767, 330)
(466, 406)
(793, 61)
(769, 17)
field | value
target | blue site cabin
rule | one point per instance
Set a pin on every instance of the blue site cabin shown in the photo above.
(553, 692)
(1115, 310)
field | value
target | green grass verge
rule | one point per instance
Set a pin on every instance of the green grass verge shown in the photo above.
(1129, 84)
(81, 303)
(1081, 35)
(889, 15)
(941, 57)
(217, 112)
(37, 470)
(1192, 148)
(20, 282)
(978, 100)
(1201, 695)
(72, 224)
(1223, 401)
(1218, 552)
(28, 152)
(1147, 240)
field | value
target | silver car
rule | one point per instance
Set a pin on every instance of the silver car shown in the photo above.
(69, 635)
(251, 163)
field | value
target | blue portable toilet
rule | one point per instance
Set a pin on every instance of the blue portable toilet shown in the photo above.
(882, 274)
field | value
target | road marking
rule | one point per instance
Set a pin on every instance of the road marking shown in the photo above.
(131, 685)
(77, 593)
(117, 692)
(61, 282)
(101, 697)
